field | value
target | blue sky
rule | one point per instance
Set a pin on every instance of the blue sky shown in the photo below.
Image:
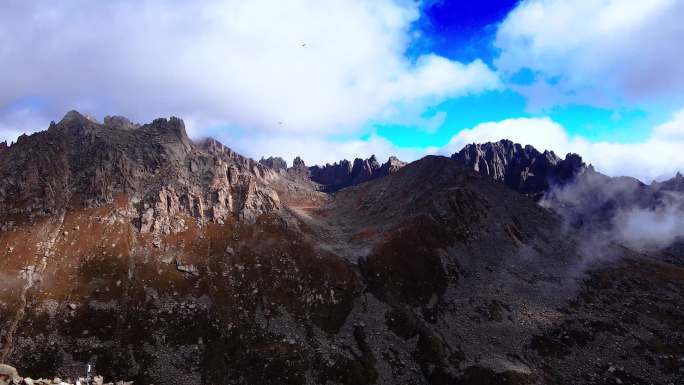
(329, 80)
(461, 30)
(465, 31)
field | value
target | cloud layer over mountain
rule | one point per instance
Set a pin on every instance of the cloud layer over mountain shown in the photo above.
(296, 66)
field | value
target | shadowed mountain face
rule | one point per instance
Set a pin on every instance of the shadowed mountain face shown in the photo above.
(160, 260)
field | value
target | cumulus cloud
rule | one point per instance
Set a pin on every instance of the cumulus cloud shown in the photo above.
(595, 51)
(659, 157)
(299, 66)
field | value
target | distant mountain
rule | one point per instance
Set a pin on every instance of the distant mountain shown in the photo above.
(161, 260)
(345, 173)
(336, 176)
(81, 162)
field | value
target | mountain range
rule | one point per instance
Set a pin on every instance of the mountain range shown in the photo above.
(163, 260)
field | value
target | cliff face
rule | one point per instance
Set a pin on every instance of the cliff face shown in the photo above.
(523, 169)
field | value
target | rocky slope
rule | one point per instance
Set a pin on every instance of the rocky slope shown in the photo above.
(169, 262)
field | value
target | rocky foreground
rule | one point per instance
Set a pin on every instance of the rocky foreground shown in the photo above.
(10, 376)
(163, 261)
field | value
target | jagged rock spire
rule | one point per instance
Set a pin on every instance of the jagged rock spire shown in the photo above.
(345, 173)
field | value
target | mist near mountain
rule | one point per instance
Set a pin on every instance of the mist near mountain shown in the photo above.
(604, 209)
(623, 210)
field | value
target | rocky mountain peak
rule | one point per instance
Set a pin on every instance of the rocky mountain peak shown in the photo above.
(392, 165)
(173, 124)
(372, 159)
(120, 123)
(523, 169)
(160, 173)
(71, 116)
(74, 116)
(345, 173)
(298, 163)
(298, 169)
(276, 163)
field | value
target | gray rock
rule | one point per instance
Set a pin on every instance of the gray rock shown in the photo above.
(275, 163)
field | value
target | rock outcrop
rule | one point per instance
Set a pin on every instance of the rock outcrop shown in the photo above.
(600, 206)
(523, 169)
(344, 174)
(276, 163)
(299, 171)
(333, 177)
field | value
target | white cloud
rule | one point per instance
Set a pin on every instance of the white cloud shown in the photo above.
(299, 66)
(542, 133)
(599, 51)
(654, 227)
(659, 157)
